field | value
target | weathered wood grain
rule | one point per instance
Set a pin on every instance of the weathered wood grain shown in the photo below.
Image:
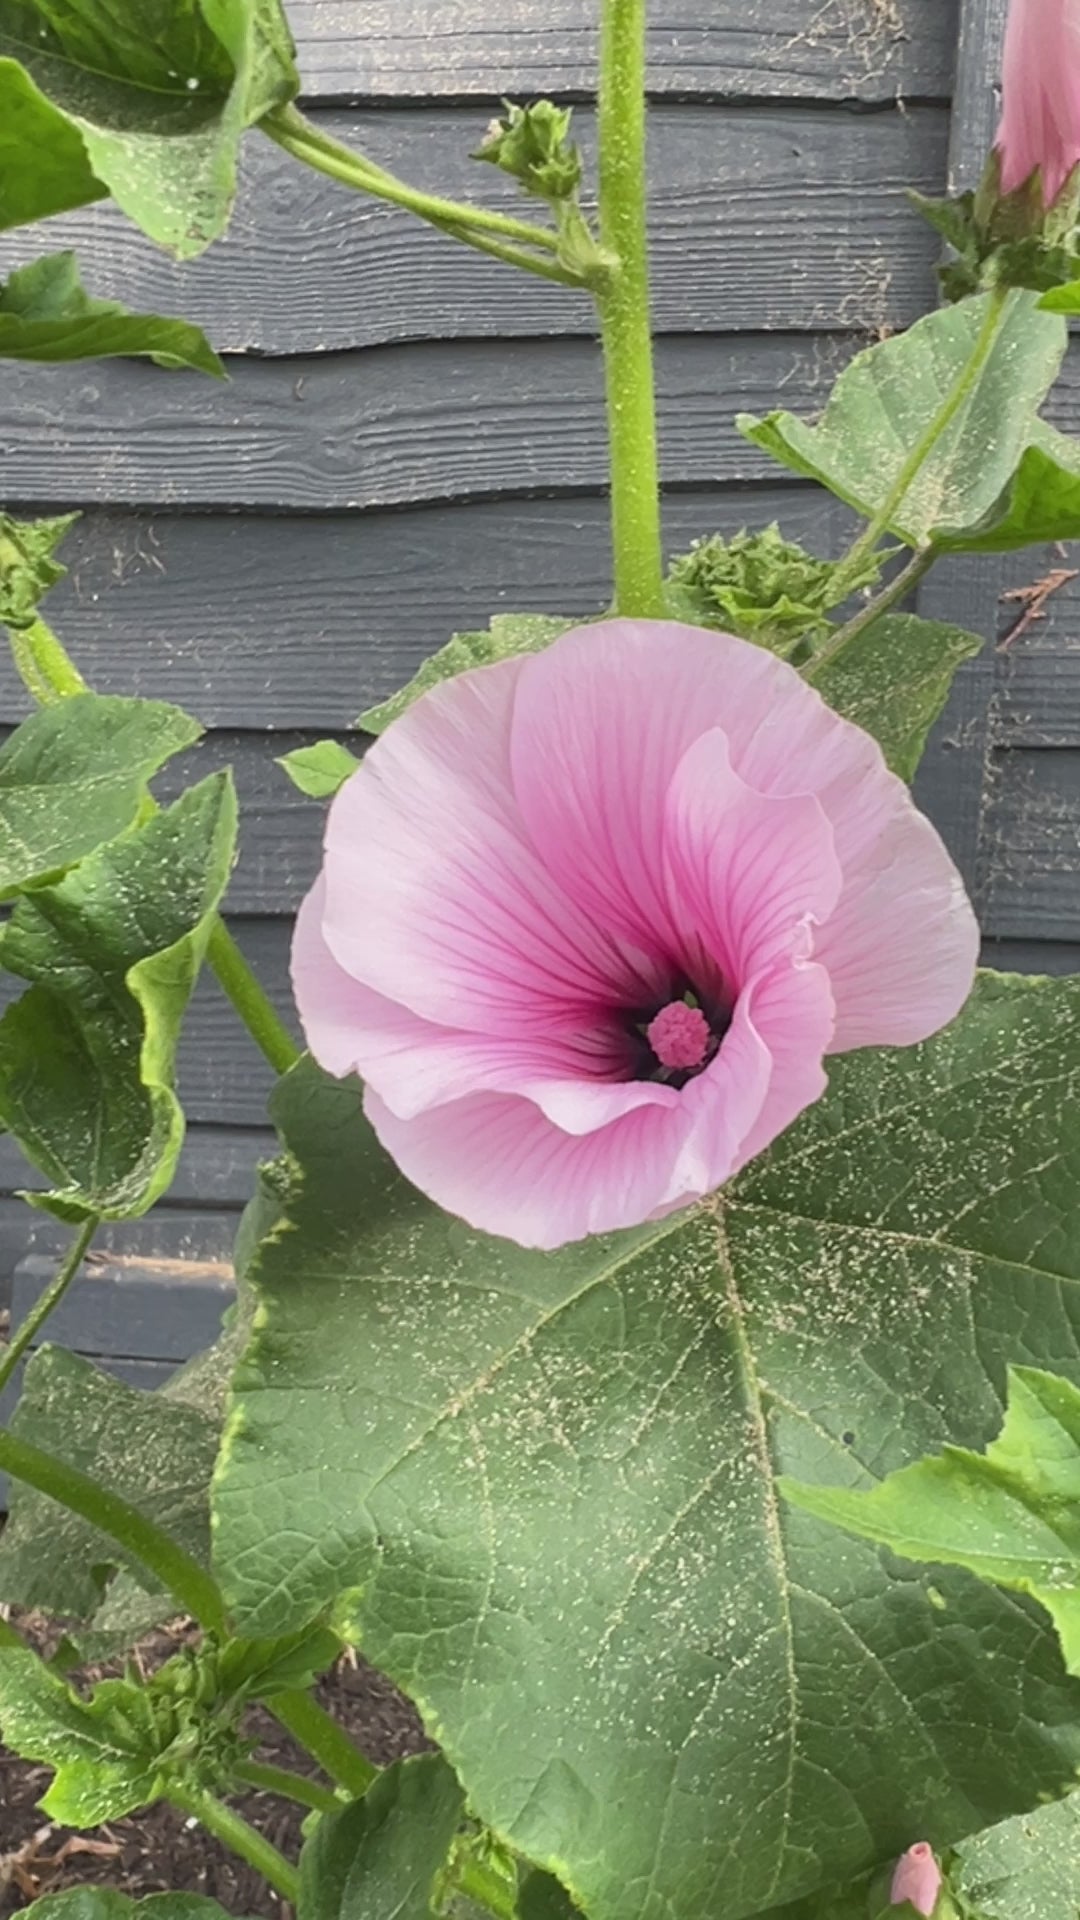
(823, 49)
(1037, 681)
(1032, 846)
(302, 621)
(401, 426)
(759, 219)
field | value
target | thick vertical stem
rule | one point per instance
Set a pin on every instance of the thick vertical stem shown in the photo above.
(624, 313)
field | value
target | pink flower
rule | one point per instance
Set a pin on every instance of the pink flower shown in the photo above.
(1040, 121)
(589, 921)
(917, 1879)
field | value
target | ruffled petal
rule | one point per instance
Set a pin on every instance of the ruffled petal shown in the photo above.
(601, 723)
(792, 1008)
(902, 947)
(748, 872)
(435, 896)
(501, 1165)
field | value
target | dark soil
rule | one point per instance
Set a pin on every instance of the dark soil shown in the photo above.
(158, 1850)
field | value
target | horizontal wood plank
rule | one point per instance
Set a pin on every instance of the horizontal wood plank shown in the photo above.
(400, 426)
(303, 621)
(822, 49)
(403, 426)
(759, 220)
(1032, 846)
(1037, 690)
(1032, 956)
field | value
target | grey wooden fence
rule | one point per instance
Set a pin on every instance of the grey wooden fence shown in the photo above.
(413, 438)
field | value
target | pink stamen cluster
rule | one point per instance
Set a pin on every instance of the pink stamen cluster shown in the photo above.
(679, 1036)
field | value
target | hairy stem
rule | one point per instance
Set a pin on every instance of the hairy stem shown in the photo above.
(903, 583)
(138, 1538)
(499, 234)
(320, 1735)
(625, 325)
(235, 1833)
(959, 393)
(289, 1786)
(238, 982)
(51, 1298)
(43, 665)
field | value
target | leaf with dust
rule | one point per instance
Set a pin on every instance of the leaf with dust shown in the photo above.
(508, 634)
(88, 1054)
(886, 400)
(541, 1491)
(47, 314)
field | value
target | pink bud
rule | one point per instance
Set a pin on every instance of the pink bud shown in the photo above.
(1040, 118)
(917, 1879)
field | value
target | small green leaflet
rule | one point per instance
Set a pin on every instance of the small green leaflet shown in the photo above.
(113, 952)
(553, 1515)
(104, 1766)
(1041, 502)
(74, 776)
(384, 1854)
(1024, 1869)
(885, 400)
(1011, 1514)
(1062, 299)
(508, 634)
(103, 1903)
(46, 314)
(894, 679)
(319, 770)
(27, 566)
(145, 105)
(43, 163)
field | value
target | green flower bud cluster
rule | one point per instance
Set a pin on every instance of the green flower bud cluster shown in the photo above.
(533, 145)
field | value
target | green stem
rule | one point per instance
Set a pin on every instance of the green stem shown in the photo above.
(487, 1889)
(234, 1833)
(623, 302)
(192, 1588)
(288, 1786)
(51, 1298)
(477, 226)
(904, 583)
(261, 1019)
(961, 391)
(43, 664)
(319, 1734)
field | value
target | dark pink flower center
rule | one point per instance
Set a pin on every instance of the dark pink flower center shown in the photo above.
(680, 1037)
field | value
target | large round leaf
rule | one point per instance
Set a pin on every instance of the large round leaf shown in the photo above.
(543, 1492)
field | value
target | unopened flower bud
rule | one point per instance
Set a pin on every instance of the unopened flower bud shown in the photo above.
(917, 1879)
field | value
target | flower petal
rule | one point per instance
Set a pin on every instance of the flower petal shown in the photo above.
(435, 896)
(748, 871)
(603, 719)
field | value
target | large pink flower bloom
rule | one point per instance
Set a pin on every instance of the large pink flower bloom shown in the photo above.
(1040, 120)
(589, 920)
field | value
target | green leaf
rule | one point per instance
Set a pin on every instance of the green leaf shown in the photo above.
(113, 951)
(46, 314)
(384, 1854)
(103, 1903)
(541, 1491)
(27, 567)
(543, 1897)
(153, 1449)
(894, 680)
(1041, 502)
(1062, 299)
(43, 163)
(319, 770)
(74, 776)
(104, 1768)
(884, 402)
(1011, 1514)
(509, 634)
(1024, 1869)
(157, 99)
